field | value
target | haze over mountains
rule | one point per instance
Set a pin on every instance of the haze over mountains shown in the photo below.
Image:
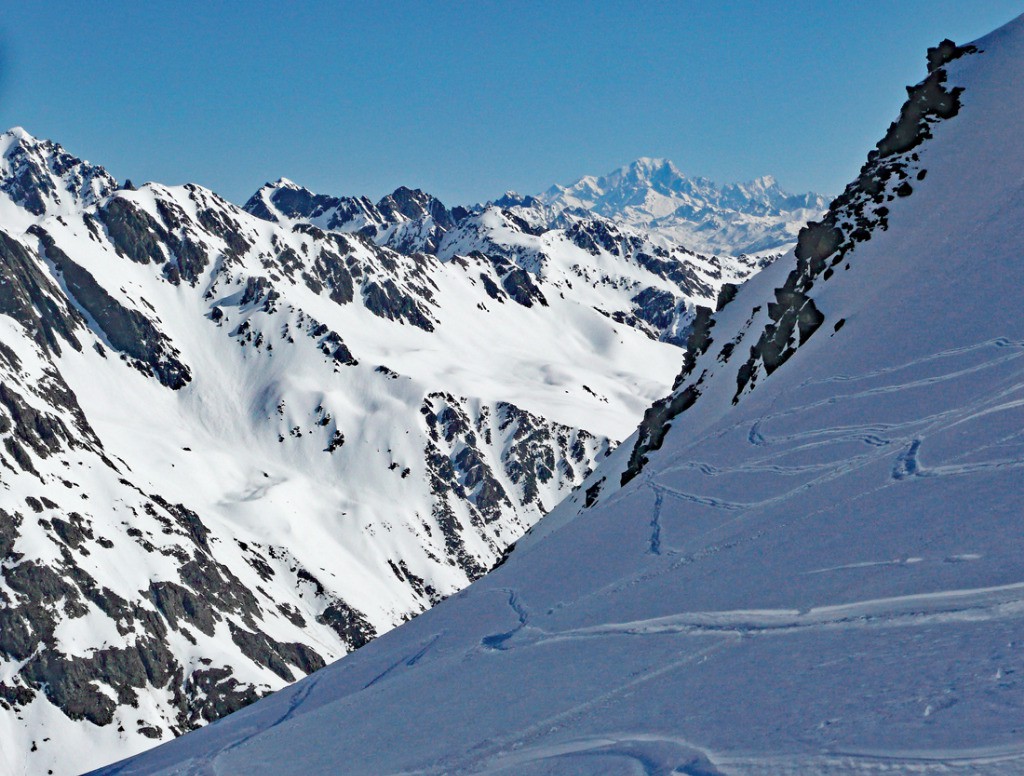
(238, 443)
(752, 217)
(807, 559)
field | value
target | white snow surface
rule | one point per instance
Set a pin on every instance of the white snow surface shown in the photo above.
(825, 577)
(467, 416)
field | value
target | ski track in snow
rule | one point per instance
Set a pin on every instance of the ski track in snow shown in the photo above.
(670, 756)
(656, 755)
(655, 542)
(498, 640)
(409, 660)
(996, 759)
(489, 757)
(946, 606)
(879, 439)
(997, 342)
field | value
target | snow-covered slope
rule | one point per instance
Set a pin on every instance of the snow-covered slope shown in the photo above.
(809, 558)
(236, 445)
(739, 218)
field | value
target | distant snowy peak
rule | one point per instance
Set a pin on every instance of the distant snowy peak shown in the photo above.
(44, 179)
(735, 218)
(633, 184)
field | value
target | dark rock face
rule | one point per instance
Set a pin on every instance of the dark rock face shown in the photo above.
(127, 331)
(407, 220)
(262, 649)
(349, 623)
(725, 295)
(658, 417)
(191, 257)
(180, 604)
(449, 425)
(300, 203)
(519, 285)
(492, 288)
(414, 203)
(29, 430)
(536, 454)
(31, 298)
(388, 301)
(680, 274)
(133, 232)
(331, 344)
(212, 693)
(594, 236)
(512, 199)
(538, 451)
(334, 273)
(659, 309)
(853, 216)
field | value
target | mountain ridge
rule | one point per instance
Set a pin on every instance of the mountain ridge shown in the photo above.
(234, 448)
(756, 217)
(814, 565)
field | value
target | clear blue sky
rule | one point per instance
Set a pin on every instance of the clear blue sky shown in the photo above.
(468, 99)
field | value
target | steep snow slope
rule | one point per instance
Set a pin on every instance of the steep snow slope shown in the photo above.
(815, 563)
(752, 218)
(235, 446)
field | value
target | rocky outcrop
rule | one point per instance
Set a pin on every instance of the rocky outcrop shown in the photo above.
(853, 217)
(127, 331)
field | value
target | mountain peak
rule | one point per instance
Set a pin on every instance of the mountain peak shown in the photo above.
(764, 182)
(19, 133)
(285, 183)
(735, 218)
(42, 177)
(14, 138)
(650, 163)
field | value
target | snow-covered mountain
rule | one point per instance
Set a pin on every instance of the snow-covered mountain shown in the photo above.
(739, 218)
(236, 444)
(809, 557)
(627, 273)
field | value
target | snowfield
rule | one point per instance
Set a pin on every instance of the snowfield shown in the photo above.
(808, 559)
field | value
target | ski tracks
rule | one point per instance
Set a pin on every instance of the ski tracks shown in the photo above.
(1003, 602)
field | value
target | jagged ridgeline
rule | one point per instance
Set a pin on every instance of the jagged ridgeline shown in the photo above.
(236, 444)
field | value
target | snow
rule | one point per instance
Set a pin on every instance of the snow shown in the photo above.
(244, 444)
(825, 576)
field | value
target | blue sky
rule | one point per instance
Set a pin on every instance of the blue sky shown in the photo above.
(468, 99)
